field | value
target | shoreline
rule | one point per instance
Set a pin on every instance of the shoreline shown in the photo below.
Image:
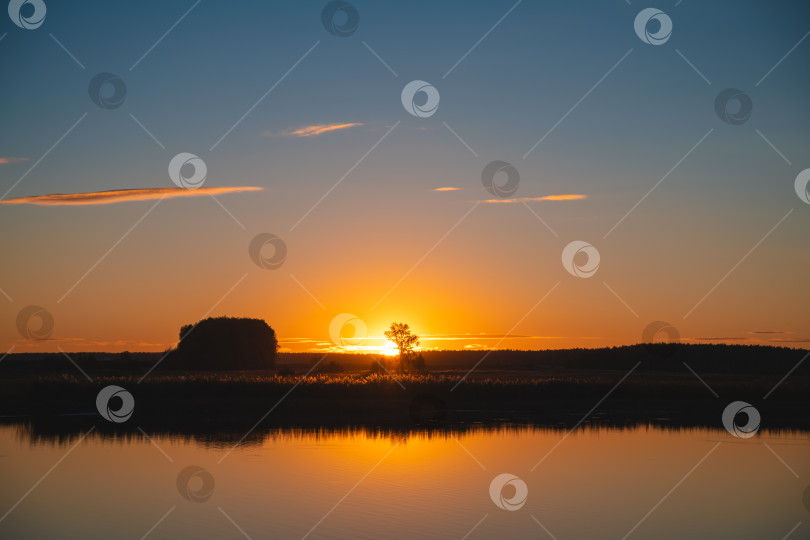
(220, 406)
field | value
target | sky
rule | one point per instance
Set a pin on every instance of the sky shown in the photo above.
(315, 196)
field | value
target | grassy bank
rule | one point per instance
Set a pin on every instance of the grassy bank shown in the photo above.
(223, 406)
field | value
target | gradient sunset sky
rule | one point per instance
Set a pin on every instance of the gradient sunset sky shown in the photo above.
(304, 136)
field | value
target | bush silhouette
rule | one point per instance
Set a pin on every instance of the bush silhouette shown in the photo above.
(225, 343)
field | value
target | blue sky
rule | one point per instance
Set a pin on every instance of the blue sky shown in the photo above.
(510, 90)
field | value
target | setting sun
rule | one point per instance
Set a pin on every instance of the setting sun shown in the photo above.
(389, 349)
(458, 269)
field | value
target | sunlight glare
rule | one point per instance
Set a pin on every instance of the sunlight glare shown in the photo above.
(389, 349)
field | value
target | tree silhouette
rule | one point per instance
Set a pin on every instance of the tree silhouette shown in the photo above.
(225, 343)
(401, 335)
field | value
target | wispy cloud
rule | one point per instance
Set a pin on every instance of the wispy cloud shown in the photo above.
(447, 189)
(83, 344)
(7, 160)
(373, 344)
(720, 339)
(565, 197)
(761, 337)
(298, 340)
(123, 195)
(316, 129)
(467, 337)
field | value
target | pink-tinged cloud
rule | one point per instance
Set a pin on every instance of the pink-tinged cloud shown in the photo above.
(316, 129)
(7, 160)
(123, 195)
(447, 189)
(565, 197)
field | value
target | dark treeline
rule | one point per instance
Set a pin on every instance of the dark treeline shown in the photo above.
(664, 357)
(235, 354)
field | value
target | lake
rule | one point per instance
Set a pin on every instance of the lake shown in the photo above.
(596, 483)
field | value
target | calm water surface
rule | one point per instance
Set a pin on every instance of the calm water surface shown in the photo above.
(596, 483)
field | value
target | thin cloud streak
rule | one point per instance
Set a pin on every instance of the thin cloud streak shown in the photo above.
(123, 195)
(721, 339)
(760, 337)
(7, 160)
(316, 129)
(373, 344)
(80, 344)
(564, 197)
(446, 189)
(468, 337)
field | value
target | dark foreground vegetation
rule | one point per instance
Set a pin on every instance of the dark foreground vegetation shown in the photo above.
(625, 386)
